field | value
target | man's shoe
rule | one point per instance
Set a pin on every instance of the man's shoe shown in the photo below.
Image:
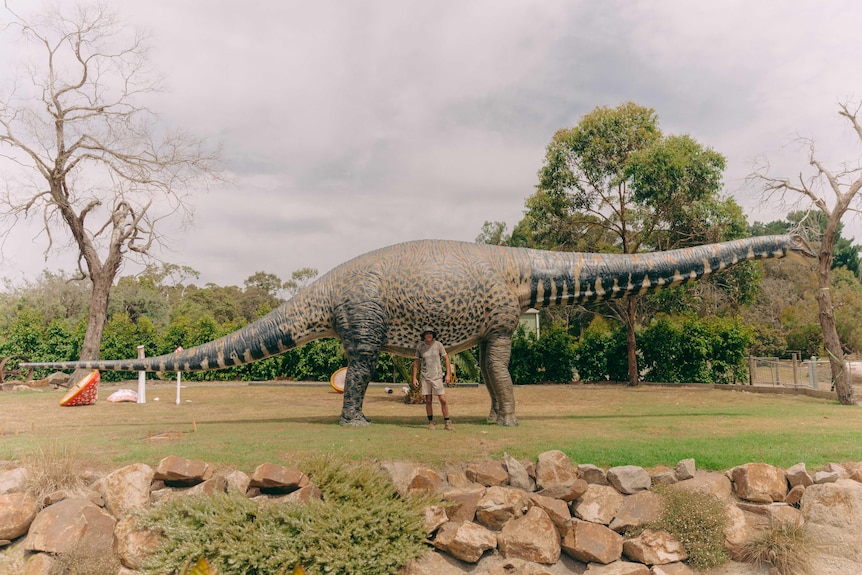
(431, 426)
(448, 426)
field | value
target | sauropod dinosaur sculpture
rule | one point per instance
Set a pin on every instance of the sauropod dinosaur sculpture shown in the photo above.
(473, 294)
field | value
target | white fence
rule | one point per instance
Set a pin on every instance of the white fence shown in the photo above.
(810, 373)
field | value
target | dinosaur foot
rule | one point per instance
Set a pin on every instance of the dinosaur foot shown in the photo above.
(507, 420)
(353, 418)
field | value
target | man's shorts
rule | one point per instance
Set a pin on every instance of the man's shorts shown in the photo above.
(433, 387)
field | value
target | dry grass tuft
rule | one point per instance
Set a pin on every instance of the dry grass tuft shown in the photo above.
(788, 547)
(88, 561)
(52, 469)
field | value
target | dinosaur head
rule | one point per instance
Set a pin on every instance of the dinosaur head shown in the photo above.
(799, 250)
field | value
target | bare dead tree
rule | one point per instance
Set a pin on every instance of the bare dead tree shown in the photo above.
(844, 185)
(94, 163)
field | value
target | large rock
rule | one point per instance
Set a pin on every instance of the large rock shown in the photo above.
(671, 569)
(654, 548)
(71, 524)
(592, 543)
(17, 512)
(568, 491)
(463, 502)
(465, 540)
(617, 568)
(274, 478)
(519, 477)
(500, 505)
(13, 480)
(133, 545)
(592, 474)
(797, 475)
(628, 479)
(178, 471)
(833, 512)
(126, 489)
(599, 504)
(433, 517)
(553, 468)
(412, 478)
(487, 473)
(533, 537)
(707, 483)
(636, 510)
(515, 566)
(759, 482)
(556, 509)
(434, 562)
(685, 469)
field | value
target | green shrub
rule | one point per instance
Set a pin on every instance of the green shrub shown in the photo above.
(362, 525)
(697, 521)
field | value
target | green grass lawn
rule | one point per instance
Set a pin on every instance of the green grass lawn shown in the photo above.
(243, 426)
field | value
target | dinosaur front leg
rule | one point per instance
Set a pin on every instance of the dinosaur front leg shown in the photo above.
(495, 373)
(362, 332)
(485, 371)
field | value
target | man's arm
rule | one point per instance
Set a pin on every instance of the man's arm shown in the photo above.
(415, 371)
(448, 369)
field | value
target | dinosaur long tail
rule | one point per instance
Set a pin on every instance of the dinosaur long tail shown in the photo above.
(284, 328)
(564, 279)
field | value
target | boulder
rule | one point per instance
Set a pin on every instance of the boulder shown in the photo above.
(709, 483)
(833, 511)
(568, 491)
(180, 472)
(412, 478)
(685, 469)
(617, 568)
(592, 474)
(826, 476)
(272, 478)
(17, 512)
(463, 502)
(759, 482)
(238, 480)
(13, 480)
(556, 509)
(133, 545)
(672, 569)
(628, 479)
(592, 543)
(798, 475)
(465, 540)
(126, 489)
(487, 473)
(433, 517)
(515, 566)
(654, 548)
(500, 505)
(553, 468)
(74, 523)
(636, 510)
(599, 504)
(519, 477)
(532, 537)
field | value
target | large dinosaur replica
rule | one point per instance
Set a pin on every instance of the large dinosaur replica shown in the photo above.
(473, 294)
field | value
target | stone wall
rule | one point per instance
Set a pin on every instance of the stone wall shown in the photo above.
(543, 517)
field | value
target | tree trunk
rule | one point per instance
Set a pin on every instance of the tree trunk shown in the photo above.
(631, 342)
(840, 377)
(97, 317)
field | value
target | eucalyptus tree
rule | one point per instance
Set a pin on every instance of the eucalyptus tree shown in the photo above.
(83, 154)
(614, 182)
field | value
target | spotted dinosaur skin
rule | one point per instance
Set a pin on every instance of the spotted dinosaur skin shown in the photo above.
(472, 294)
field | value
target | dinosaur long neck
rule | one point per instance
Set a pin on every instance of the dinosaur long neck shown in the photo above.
(559, 278)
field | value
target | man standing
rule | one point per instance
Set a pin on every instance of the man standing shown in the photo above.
(430, 352)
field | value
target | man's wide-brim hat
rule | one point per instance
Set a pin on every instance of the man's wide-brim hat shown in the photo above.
(430, 330)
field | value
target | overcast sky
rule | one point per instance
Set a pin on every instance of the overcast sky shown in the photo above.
(348, 126)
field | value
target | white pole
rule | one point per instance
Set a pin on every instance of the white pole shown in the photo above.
(179, 349)
(142, 379)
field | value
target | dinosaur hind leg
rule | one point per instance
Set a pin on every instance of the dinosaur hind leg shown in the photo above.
(362, 332)
(495, 373)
